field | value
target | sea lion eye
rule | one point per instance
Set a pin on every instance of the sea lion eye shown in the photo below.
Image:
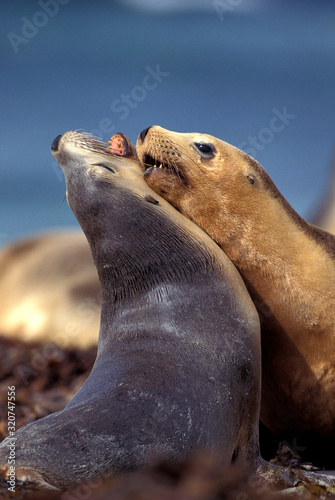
(104, 166)
(205, 149)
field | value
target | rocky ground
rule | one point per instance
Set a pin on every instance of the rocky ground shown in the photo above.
(46, 377)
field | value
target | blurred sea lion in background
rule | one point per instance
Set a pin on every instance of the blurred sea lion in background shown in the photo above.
(50, 291)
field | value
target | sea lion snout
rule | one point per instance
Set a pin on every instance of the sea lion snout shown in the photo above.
(143, 134)
(55, 143)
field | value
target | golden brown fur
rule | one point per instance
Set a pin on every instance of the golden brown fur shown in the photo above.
(325, 215)
(49, 290)
(287, 264)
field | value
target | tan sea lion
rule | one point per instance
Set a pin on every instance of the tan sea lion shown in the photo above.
(178, 363)
(325, 215)
(50, 291)
(287, 264)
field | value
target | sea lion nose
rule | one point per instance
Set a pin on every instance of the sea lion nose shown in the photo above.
(144, 133)
(55, 144)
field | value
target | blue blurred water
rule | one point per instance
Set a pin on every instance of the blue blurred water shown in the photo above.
(227, 77)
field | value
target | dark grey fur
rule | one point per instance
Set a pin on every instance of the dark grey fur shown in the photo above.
(178, 363)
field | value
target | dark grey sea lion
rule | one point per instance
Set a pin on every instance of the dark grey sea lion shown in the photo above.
(178, 365)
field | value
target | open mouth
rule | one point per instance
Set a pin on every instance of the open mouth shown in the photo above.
(151, 163)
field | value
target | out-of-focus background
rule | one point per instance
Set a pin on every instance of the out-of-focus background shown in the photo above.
(259, 74)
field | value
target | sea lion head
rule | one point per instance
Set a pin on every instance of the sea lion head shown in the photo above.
(103, 172)
(206, 179)
(181, 162)
(77, 153)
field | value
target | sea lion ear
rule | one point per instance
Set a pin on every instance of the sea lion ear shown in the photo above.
(251, 178)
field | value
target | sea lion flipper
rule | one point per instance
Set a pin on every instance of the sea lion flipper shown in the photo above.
(119, 144)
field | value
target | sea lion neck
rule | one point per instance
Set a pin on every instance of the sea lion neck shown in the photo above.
(134, 244)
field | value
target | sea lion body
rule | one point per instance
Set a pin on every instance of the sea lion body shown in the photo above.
(178, 363)
(324, 217)
(287, 264)
(50, 291)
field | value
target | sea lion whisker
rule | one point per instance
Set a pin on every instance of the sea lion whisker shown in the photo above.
(151, 160)
(165, 160)
(185, 154)
(87, 140)
(60, 206)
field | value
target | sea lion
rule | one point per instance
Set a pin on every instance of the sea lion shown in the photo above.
(50, 290)
(325, 215)
(287, 264)
(178, 363)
